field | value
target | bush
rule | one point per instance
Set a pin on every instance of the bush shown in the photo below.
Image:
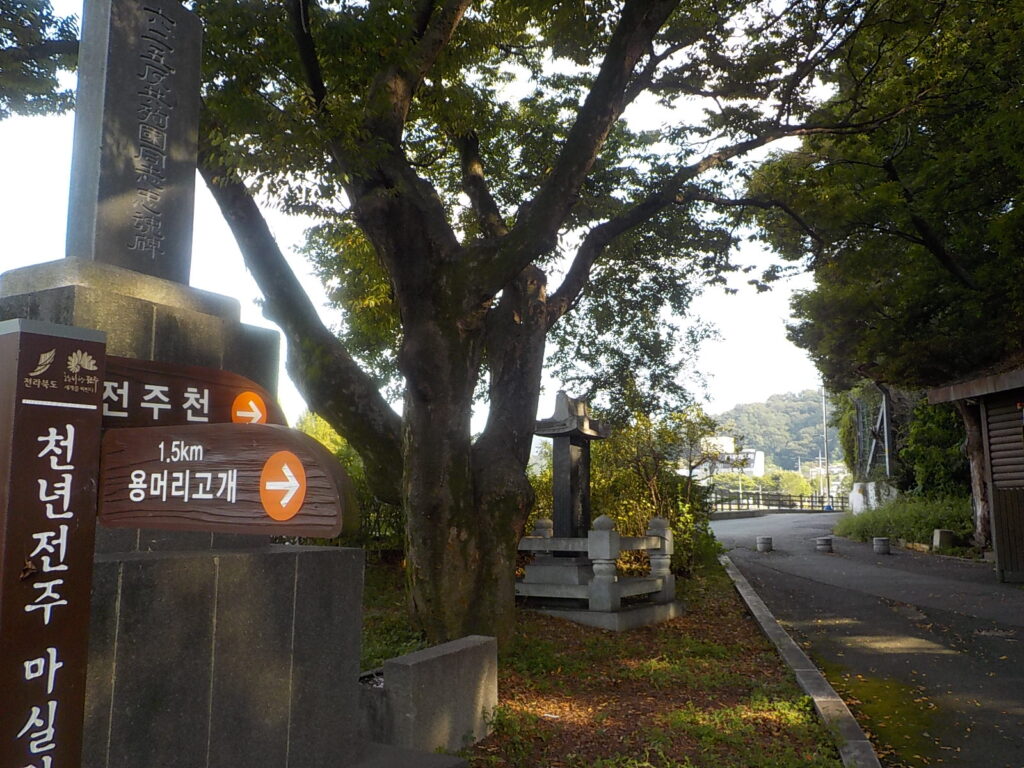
(381, 526)
(910, 518)
(935, 450)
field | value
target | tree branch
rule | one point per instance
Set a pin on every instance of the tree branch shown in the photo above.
(670, 193)
(929, 237)
(764, 204)
(298, 12)
(43, 50)
(539, 220)
(475, 186)
(439, 21)
(331, 381)
(392, 90)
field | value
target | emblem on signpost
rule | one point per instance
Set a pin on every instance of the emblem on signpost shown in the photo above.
(45, 361)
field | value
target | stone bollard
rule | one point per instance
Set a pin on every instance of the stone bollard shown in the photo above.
(880, 545)
(764, 543)
(823, 543)
(942, 538)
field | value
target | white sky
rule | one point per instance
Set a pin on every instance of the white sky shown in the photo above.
(750, 362)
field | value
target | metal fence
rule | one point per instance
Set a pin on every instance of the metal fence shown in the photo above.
(725, 501)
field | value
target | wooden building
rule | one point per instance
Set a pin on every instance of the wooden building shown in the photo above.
(1001, 400)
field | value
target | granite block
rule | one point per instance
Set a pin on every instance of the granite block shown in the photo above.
(100, 669)
(180, 335)
(161, 715)
(253, 352)
(328, 591)
(252, 660)
(466, 670)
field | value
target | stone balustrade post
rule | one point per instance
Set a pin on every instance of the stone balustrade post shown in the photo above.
(545, 529)
(603, 546)
(661, 559)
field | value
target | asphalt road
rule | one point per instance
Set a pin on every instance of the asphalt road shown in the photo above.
(930, 649)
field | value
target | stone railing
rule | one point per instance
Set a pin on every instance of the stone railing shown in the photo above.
(603, 588)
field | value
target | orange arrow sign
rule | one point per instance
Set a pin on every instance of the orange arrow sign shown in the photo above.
(249, 408)
(283, 485)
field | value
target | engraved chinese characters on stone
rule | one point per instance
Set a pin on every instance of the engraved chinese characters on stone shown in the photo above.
(133, 170)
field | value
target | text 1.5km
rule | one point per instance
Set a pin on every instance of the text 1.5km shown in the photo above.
(179, 450)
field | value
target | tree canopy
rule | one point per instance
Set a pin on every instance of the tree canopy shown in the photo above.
(35, 45)
(914, 229)
(461, 156)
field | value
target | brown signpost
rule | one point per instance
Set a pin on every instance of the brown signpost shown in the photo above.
(232, 478)
(50, 393)
(144, 393)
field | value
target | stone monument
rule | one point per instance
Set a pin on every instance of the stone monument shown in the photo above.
(129, 238)
(573, 573)
(136, 134)
(571, 431)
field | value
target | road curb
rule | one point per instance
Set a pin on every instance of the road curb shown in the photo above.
(855, 750)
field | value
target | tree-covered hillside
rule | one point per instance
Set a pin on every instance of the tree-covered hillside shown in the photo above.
(787, 428)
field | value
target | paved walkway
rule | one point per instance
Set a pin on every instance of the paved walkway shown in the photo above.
(933, 647)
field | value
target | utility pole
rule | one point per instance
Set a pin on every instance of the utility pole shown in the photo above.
(824, 440)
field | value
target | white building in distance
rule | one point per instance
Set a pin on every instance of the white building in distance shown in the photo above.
(727, 459)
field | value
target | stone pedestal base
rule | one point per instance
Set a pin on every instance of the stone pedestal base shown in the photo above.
(224, 659)
(144, 317)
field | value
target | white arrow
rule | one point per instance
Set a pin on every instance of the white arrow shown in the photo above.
(254, 416)
(291, 485)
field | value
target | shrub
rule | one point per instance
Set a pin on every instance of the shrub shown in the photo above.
(935, 451)
(381, 526)
(910, 518)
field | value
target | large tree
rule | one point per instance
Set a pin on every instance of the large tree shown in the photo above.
(459, 155)
(914, 230)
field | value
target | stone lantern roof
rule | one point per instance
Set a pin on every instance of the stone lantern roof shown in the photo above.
(571, 418)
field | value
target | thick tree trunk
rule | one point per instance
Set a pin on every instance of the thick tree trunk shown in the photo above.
(466, 503)
(461, 549)
(463, 521)
(971, 415)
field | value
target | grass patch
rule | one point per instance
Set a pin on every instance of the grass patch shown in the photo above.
(705, 689)
(386, 630)
(909, 518)
(734, 735)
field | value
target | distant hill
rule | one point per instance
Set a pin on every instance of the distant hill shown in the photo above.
(787, 428)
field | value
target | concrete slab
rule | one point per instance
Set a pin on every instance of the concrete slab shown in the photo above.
(408, 712)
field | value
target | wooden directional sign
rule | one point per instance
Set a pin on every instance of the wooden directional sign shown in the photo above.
(235, 478)
(145, 393)
(50, 385)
